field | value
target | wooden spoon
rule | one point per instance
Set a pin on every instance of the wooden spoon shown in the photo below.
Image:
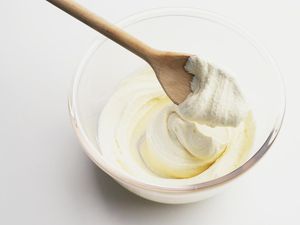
(168, 66)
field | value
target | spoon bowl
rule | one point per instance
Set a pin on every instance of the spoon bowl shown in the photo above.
(169, 70)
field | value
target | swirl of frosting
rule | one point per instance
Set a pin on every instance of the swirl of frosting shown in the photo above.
(175, 147)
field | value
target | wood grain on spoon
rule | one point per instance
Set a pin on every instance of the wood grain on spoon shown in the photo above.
(168, 66)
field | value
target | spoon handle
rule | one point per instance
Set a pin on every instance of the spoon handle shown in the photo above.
(107, 29)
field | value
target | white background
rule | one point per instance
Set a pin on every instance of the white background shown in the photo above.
(45, 178)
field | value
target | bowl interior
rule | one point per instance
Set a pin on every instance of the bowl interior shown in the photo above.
(191, 31)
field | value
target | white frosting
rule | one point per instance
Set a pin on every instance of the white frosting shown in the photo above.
(216, 99)
(143, 132)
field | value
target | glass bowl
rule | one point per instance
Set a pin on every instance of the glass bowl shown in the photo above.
(183, 30)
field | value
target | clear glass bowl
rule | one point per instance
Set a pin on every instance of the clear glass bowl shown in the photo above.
(183, 30)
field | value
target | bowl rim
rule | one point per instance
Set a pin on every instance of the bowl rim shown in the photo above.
(125, 178)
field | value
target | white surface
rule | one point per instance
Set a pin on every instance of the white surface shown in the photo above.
(45, 176)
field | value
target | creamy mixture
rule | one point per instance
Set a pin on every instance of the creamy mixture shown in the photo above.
(206, 136)
(216, 99)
